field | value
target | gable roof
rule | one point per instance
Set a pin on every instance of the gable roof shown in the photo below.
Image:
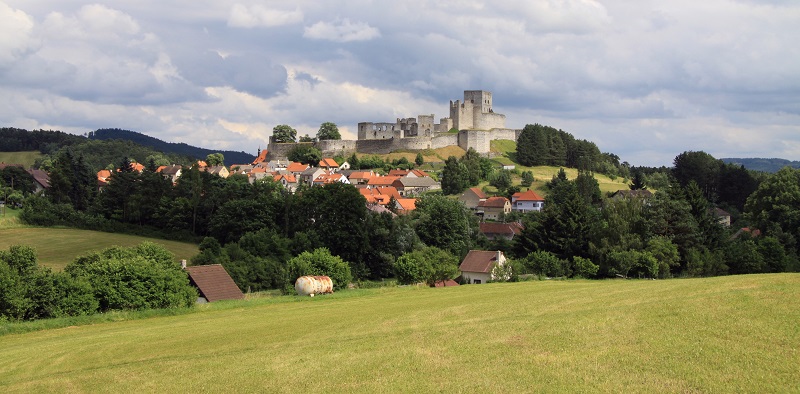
(328, 162)
(508, 229)
(633, 193)
(479, 261)
(445, 283)
(478, 192)
(214, 283)
(494, 202)
(407, 204)
(382, 180)
(40, 177)
(171, 170)
(414, 182)
(528, 195)
(262, 157)
(296, 167)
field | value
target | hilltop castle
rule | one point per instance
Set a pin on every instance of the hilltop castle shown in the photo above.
(471, 124)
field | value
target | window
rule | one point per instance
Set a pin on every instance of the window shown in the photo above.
(476, 281)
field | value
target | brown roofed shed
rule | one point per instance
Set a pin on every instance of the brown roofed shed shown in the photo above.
(214, 283)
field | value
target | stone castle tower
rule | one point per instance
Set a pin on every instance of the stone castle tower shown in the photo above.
(476, 112)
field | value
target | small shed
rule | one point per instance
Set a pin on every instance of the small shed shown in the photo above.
(213, 283)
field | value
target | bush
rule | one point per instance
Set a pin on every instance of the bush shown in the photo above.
(141, 277)
(584, 268)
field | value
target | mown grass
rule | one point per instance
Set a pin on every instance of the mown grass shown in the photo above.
(728, 334)
(56, 247)
(25, 158)
(9, 218)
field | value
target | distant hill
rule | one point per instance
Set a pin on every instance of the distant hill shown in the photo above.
(765, 165)
(231, 157)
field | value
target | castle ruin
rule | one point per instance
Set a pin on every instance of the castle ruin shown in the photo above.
(474, 119)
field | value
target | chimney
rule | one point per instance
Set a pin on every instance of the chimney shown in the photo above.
(499, 253)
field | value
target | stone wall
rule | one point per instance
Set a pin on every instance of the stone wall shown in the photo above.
(375, 147)
(331, 148)
(444, 140)
(488, 121)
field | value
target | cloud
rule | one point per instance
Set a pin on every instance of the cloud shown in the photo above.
(15, 35)
(341, 31)
(260, 16)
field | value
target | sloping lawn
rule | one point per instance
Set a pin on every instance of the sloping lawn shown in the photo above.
(727, 334)
(56, 247)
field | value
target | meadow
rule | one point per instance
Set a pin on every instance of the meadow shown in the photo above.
(25, 158)
(56, 247)
(724, 334)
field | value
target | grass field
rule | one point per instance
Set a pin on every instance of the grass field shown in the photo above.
(56, 247)
(24, 158)
(727, 334)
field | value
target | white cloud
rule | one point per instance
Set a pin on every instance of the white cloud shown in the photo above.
(15, 34)
(260, 16)
(341, 31)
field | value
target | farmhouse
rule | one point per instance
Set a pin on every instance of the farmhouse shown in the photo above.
(477, 266)
(526, 201)
(494, 207)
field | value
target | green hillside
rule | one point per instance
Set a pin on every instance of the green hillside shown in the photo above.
(56, 247)
(24, 158)
(724, 334)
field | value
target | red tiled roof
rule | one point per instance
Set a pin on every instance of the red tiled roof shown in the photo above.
(382, 180)
(328, 162)
(478, 192)
(494, 202)
(160, 168)
(408, 204)
(479, 261)
(214, 283)
(446, 283)
(512, 228)
(289, 178)
(398, 172)
(420, 173)
(103, 174)
(296, 167)
(528, 195)
(262, 157)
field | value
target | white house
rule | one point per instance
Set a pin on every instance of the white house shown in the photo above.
(526, 201)
(477, 266)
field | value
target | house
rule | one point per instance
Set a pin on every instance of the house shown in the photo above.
(213, 283)
(277, 165)
(288, 181)
(329, 164)
(41, 180)
(641, 193)
(172, 172)
(310, 175)
(495, 231)
(257, 173)
(327, 178)
(723, 217)
(381, 181)
(379, 209)
(405, 205)
(526, 201)
(297, 168)
(494, 207)
(477, 266)
(472, 197)
(413, 186)
(242, 169)
(360, 177)
(344, 167)
(752, 233)
(379, 195)
(218, 170)
(103, 178)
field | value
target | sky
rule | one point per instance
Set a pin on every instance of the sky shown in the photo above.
(645, 80)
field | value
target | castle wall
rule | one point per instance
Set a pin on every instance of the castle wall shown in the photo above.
(475, 139)
(505, 134)
(375, 147)
(488, 121)
(376, 131)
(331, 148)
(445, 124)
(425, 126)
(480, 100)
(441, 141)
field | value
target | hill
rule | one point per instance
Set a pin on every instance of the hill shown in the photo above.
(764, 165)
(231, 157)
(725, 334)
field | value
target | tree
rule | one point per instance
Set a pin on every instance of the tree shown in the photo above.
(665, 253)
(584, 268)
(328, 131)
(419, 160)
(445, 223)
(429, 265)
(527, 179)
(454, 176)
(701, 168)
(546, 264)
(320, 262)
(637, 181)
(284, 133)
(215, 159)
(501, 180)
(307, 138)
(305, 154)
